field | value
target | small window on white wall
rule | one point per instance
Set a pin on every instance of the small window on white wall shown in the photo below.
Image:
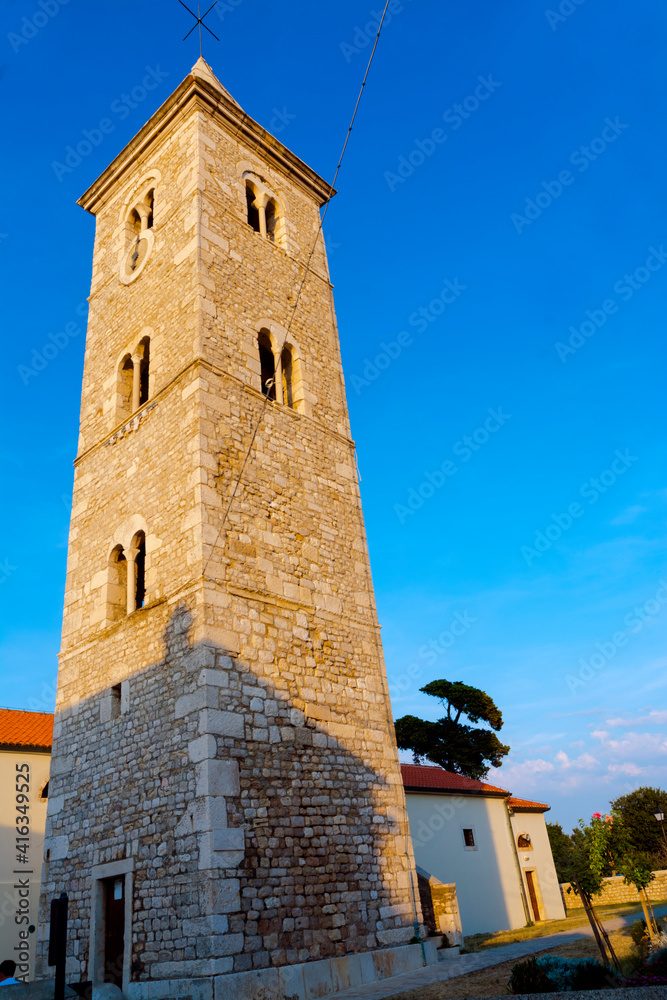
(469, 843)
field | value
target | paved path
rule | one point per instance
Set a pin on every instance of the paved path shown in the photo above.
(460, 966)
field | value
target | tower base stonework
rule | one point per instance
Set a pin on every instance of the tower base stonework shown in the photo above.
(226, 810)
(270, 843)
(306, 981)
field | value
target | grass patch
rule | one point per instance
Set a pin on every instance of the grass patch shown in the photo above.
(575, 918)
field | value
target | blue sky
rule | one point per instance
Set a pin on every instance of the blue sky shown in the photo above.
(499, 252)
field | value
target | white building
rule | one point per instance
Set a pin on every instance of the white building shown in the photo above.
(493, 846)
(25, 756)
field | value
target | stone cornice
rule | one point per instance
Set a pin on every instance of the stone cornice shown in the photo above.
(196, 92)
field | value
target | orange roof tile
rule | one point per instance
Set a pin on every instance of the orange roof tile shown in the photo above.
(526, 805)
(26, 729)
(436, 779)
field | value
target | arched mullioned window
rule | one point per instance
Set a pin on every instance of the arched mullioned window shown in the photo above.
(524, 843)
(133, 382)
(267, 365)
(140, 216)
(126, 586)
(263, 210)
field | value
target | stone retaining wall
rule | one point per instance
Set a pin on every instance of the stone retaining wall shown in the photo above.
(615, 891)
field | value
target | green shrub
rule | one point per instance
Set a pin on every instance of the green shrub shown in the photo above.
(640, 939)
(528, 977)
(553, 974)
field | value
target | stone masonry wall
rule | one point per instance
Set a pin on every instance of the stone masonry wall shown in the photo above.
(249, 776)
(614, 891)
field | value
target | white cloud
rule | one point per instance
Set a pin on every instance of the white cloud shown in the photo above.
(631, 769)
(638, 744)
(584, 761)
(629, 515)
(654, 718)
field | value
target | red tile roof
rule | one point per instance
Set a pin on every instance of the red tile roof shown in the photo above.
(26, 729)
(436, 779)
(525, 805)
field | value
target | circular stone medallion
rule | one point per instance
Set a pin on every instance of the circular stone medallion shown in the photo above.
(135, 259)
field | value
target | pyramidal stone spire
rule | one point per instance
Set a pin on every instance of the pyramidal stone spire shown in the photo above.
(202, 71)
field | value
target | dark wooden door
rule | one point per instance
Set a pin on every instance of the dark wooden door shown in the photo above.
(530, 882)
(114, 930)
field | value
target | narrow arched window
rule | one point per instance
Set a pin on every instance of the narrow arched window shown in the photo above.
(134, 222)
(271, 218)
(253, 210)
(124, 387)
(267, 365)
(144, 362)
(150, 203)
(138, 584)
(44, 794)
(117, 585)
(286, 370)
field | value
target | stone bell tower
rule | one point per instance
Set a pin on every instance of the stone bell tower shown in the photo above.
(226, 810)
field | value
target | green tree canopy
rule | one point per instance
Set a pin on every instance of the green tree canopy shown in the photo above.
(643, 831)
(454, 745)
(562, 847)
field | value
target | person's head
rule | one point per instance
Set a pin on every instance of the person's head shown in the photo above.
(7, 969)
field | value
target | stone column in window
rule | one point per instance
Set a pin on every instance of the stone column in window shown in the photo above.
(136, 381)
(131, 555)
(260, 202)
(279, 377)
(144, 212)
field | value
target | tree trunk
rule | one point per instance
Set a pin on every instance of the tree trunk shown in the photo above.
(593, 921)
(649, 917)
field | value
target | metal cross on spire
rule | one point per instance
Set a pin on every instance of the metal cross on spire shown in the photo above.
(199, 18)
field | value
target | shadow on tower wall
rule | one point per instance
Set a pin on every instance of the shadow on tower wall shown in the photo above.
(257, 838)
